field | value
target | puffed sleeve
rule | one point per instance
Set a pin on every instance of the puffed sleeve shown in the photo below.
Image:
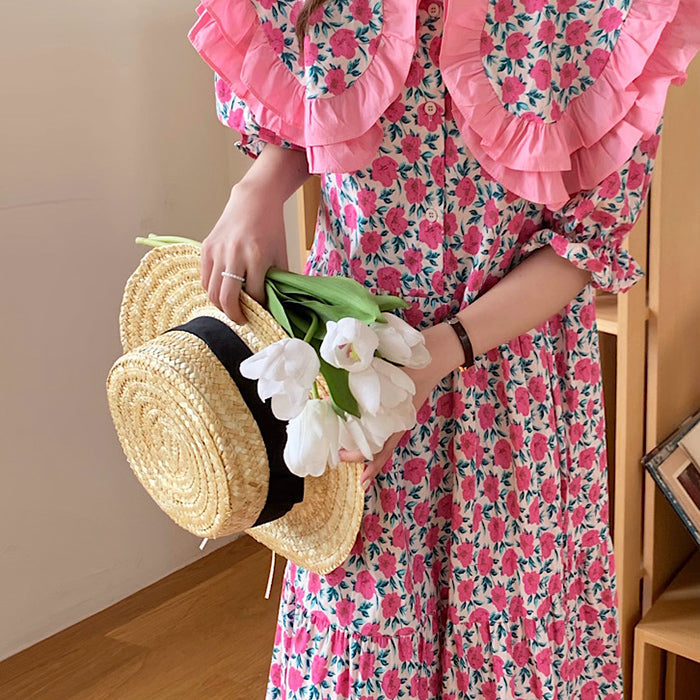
(590, 230)
(331, 103)
(233, 112)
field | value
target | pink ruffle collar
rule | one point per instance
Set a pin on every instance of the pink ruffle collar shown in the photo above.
(548, 162)
(341, 133)
(542, 162)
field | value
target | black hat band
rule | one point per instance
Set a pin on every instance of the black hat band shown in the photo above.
(285, 489)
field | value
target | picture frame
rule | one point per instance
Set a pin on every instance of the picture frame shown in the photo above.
(674, 465)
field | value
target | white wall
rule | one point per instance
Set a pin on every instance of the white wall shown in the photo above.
(108, 131)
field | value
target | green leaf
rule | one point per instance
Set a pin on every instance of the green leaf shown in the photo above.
(302, 319)
(329, 312)
(355, 299)
(339, 411)
(339, 388)
(289, 293)
(277, 310)
(387, 302)
(149, 241)
(284, 284)
(313, 328)
(335, 291)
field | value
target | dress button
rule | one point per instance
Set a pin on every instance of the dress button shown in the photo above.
(430, 108)
(431, 215)
(434, 9)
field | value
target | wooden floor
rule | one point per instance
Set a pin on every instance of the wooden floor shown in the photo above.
(205, 631)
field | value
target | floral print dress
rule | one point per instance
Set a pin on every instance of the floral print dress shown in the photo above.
(484, 565)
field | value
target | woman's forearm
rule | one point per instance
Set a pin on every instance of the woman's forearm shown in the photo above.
(529, 294)
(534, 290)
(278, 172)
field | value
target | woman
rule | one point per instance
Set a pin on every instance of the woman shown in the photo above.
(482, 159)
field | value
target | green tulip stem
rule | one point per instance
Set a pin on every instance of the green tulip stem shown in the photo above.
(312, 328)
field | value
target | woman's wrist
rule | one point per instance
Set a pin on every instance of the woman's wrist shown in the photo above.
(445, 350)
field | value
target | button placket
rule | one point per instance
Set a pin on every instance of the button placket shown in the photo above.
(434, 10)
(430, 214)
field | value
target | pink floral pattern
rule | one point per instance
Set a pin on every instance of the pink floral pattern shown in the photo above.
(341, 39)
(484, 565)
(548, 56)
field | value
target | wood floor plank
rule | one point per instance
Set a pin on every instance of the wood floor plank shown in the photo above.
(205, 631)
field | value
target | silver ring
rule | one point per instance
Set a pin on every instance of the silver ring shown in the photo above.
(235, 276)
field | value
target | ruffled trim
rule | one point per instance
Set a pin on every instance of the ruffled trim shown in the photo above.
(341, 132)
(548, 162)
(490, 654)
(613, 270)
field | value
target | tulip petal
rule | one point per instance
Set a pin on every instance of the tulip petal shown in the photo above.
(349, 344)
(352, 437)
(285, 407)
(366, 388)
(312, 439)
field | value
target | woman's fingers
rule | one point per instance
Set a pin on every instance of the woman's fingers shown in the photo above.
(255, 284)
(229, 298)
(207, 262)
(375, 466)
(214, 283)
(247, 239)
(351, 456)
(223, 291)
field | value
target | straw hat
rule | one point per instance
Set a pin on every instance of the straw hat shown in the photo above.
(205, 447)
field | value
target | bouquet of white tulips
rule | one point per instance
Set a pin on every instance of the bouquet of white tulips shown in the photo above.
(339, 328)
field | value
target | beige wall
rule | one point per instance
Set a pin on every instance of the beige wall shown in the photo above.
(107, 132)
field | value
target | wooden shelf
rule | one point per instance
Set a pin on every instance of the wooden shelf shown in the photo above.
(606, 309)
(606, 313)
(673, 621)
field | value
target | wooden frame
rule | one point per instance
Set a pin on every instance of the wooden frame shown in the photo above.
(308, 201)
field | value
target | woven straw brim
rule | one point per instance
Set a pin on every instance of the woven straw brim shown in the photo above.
(337, 495)
(204, 431)
(185, 428)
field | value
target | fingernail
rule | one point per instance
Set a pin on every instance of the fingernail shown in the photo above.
(365, 484)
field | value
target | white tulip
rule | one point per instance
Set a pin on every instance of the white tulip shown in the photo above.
(349, 344)
(352, 437)
(380, 385)
(312, 439)
(369, 433)
(400, 342)
(380, 427)
(285, 371)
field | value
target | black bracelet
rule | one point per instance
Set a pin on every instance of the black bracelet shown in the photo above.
(464, 339)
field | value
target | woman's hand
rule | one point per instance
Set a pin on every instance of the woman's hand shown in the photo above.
(249, 237)
(447, 354)
(247, 240)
